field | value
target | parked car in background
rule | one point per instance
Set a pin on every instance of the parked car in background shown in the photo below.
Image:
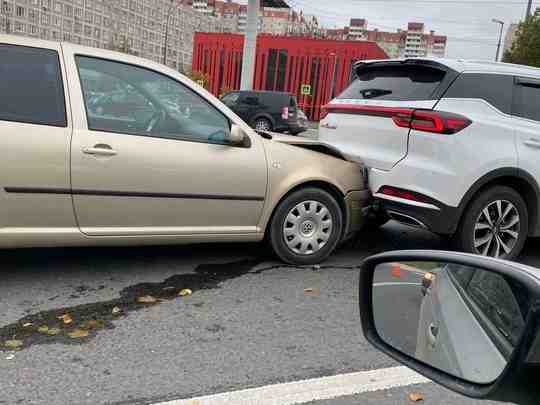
(82, 169)
(271, 111)
(452, 146)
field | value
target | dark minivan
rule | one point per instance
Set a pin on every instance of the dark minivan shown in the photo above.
(268, 110)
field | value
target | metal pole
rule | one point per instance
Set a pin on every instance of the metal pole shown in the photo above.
(333, 82)
(499, 44)
(167, 32)
(250, 45)
(529, 8)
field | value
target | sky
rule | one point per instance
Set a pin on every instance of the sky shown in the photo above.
(467, 23)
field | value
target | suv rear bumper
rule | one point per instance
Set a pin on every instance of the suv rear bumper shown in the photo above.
(439, 218)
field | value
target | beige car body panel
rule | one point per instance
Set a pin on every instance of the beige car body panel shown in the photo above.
(153, 190)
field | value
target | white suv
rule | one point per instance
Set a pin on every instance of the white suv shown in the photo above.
(453, 146)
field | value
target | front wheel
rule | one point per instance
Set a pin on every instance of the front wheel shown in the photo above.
(263, 124)
(495, 224)
(306, 227)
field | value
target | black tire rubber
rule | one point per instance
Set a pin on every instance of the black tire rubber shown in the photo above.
(463, 239)
(375, 220)
(270, 126)
(277, 240)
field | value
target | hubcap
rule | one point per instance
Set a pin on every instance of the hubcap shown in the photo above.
(497, 228)
(262, 125)
(307, 227)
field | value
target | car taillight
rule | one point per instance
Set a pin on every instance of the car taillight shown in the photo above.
(405, 194)
(285, 113)
(438, 122)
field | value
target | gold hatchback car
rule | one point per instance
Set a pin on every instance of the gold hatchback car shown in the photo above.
(103, 148)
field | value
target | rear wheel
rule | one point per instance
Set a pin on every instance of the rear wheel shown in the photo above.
(306, 227)
(263, 124)
(495, 224)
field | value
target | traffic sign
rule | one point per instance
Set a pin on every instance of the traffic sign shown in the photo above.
(305, 90)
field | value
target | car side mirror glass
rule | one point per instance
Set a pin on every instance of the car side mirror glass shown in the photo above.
(463, 320)
(237, 136)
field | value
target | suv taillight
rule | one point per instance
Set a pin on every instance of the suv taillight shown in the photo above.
(438, 122)
(285, 113)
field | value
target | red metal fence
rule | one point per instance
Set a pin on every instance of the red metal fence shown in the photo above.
(283, 64)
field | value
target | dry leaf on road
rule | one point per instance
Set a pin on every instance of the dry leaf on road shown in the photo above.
(185, 292)
(78, 333)
(43, 329)
(147, 299)
(66, 318)
(313, 291)
(13, 344)
(53, 331)
(416, 397)
(116, 311)
(27, 324)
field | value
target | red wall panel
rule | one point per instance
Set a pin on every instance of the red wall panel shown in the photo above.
(223, 56)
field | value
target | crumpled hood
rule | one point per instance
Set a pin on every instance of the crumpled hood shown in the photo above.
(313, 145)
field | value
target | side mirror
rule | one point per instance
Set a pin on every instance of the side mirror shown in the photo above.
(237, 136)
(466, 322)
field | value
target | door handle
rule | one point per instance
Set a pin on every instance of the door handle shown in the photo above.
(100, 150)
(533, 143)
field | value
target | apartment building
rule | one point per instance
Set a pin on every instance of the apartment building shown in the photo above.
(409, 43)
(133, 26)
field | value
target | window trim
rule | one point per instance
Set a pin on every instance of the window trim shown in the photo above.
(246, 145)
(65, 123)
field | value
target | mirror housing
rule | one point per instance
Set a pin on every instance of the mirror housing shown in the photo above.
(237, 137)
(517, 383)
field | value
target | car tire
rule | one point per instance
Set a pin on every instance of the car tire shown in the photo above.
(495, 223)
(306, 227)
(376, 219)
(263, 124)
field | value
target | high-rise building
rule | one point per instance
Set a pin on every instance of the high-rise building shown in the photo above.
(134, 26)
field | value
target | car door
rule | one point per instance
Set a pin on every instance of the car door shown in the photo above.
(35, 131)
(164, 167)
(525, 109)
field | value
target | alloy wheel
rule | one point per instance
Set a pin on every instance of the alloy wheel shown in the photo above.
(497, 229)
(262, 125)
(307, 227)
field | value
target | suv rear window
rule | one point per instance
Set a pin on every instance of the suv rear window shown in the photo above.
(31, 89)
(395, 83)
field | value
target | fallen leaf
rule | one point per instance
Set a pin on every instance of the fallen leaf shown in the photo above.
(169, 288)
(146, 299)
(78, 333)
(10, 357)
(313, 291)
(27, 324)
(43, 329)
(308, 290)
(116, 311)
(53, 331)
(66, 318)
(416, 397)
(92, 324)
(13, 344)
(185, 292)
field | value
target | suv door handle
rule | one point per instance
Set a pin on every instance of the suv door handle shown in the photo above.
(100, 150)
(533, 143)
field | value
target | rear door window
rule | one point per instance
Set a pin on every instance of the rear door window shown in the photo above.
(31, 89)
(398, 83)
(527, 100)
(494, 89)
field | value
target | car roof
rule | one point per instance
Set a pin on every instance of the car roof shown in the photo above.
(463, 65)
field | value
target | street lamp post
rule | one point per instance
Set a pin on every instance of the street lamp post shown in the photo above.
(250, 45)
(169, 15)
(501, 23)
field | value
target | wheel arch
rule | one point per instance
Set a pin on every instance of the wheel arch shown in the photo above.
(518, 179)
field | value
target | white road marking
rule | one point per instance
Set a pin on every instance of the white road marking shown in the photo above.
(300, 392)
(398, 283)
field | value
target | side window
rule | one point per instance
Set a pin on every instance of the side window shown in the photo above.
(526, 101)
(123, 98)
(395, 83)
(31, 89)
(498, 302)
(250, 100)
(495, 89)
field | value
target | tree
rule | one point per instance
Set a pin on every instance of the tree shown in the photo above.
(526, 47)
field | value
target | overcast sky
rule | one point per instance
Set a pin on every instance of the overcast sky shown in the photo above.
(467, 23)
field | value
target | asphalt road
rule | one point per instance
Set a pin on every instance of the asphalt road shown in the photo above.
(249, 322)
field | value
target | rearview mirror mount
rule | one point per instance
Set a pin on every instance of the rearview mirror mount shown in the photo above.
(466, 322)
